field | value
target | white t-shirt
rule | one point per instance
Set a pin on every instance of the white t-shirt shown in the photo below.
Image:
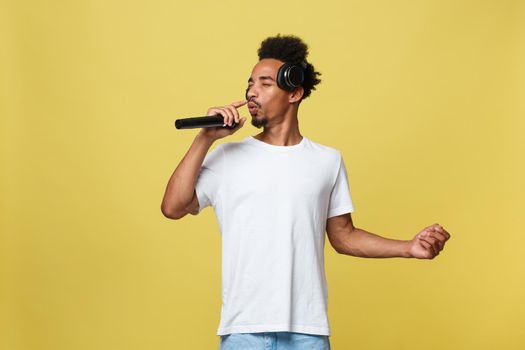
(271, 203)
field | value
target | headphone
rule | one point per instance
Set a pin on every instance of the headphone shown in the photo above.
(289, 76)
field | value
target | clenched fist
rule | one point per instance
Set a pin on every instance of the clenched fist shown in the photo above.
(428, 243)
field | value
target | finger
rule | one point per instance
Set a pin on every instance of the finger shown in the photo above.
(424, 243)
(239, 103)
(436, 247)
(429, 246)
(223, 114)
(229, 116)
(436, 243)
(438, 235)
(234, 112)
(439, 246)
(431, 227)
(440, 229)
(445, 232)
(217, 112)
(436, 227)
(213, 111)
(427, 230)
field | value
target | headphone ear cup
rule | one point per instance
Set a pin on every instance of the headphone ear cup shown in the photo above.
(290, 76)
(281, 81)
(295, 76)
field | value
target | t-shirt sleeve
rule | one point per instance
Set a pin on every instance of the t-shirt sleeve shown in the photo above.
(340, 197)
(209, 179)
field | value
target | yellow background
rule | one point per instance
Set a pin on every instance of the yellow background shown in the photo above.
(425, 100)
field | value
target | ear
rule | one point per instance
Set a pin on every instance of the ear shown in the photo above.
(296, 95)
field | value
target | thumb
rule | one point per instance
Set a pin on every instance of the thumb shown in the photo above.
(429, 228)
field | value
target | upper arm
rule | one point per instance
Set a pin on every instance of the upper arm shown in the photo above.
(337, 228)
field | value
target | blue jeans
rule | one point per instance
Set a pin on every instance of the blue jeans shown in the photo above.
(274, 341)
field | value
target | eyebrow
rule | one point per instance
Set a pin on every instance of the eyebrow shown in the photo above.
(265, 77)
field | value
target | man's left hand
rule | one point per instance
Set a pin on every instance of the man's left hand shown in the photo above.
(428, 243)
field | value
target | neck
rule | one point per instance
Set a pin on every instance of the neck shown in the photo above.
(282, 133)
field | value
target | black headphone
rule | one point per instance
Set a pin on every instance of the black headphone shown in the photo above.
(291, 75)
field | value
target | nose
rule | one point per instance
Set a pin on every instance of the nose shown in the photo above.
(250, 92)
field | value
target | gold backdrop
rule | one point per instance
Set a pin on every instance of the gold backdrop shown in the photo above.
(425, 100)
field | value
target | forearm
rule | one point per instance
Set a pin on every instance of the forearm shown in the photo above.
(181, 185)
(365, 244)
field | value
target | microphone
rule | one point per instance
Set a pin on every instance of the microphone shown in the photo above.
(203, 122)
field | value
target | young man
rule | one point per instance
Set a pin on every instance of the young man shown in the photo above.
(274, 195)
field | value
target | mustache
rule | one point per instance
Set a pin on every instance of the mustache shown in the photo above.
(256, 103)
(251, 100)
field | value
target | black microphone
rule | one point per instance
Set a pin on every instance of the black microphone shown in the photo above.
(203, 122)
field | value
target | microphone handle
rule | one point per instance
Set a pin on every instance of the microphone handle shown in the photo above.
(203, 122)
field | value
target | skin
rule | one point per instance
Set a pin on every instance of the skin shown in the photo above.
(276, 110)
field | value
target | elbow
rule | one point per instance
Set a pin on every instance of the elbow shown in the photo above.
(347, 245)
(347, 251)
(170, 213)
(338, 247)
(341, 250)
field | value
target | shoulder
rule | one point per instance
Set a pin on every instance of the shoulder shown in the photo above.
(326, 152)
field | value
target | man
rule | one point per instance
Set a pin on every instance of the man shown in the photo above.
(274, 195)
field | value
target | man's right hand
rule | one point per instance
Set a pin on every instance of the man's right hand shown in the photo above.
(230, 115)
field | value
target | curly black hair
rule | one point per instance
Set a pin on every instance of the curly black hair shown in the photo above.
(290, 48)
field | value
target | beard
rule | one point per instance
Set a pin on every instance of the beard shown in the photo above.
(259, 122)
